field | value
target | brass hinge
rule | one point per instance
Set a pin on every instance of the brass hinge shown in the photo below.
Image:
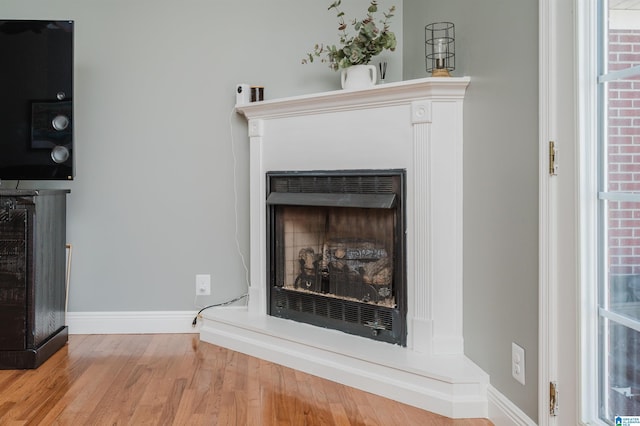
(553, 399)
(553, 154)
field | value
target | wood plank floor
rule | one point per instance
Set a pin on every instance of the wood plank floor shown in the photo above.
(174, 379)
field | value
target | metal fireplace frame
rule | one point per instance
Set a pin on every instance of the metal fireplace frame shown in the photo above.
(377, 189)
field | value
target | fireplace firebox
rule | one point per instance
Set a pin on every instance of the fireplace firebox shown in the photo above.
(336, 250)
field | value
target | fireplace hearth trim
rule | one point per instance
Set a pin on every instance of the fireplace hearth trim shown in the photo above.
(450, 385)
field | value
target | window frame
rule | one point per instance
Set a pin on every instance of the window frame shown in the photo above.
(593, 77)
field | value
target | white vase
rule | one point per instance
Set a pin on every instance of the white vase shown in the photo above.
(358, 77)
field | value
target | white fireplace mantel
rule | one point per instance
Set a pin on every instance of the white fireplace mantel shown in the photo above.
(378, 96)
(413, 125)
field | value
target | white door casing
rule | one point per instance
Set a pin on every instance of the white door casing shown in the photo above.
(559, 199)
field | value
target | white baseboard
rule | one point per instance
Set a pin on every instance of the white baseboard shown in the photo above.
(145, 322)
(503, 412)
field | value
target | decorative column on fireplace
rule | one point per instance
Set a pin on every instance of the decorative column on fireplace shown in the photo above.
(336, 250)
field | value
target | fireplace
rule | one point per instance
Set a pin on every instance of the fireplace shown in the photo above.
(336, 251)
(309, 158)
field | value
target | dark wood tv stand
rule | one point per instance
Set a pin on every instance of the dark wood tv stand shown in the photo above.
(32, 276)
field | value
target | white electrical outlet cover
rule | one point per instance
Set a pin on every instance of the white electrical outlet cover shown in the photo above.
(517, 363)
(203, 284)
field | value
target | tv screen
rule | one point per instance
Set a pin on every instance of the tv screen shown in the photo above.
(36, 101)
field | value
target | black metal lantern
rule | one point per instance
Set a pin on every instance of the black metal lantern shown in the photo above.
(440, 48)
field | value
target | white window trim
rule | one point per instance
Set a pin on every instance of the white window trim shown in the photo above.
(587, 134)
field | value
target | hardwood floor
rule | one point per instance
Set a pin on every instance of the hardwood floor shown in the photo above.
(174, 379)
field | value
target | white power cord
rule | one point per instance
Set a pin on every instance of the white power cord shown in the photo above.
(237, 241)
(235, 198)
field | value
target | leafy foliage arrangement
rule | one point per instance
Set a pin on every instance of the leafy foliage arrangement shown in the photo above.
(368, 42)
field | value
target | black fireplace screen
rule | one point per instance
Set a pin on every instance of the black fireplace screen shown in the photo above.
(336, 251)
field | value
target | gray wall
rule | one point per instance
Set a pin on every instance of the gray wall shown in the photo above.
(153, 201)
(497, 46)
(152, 204)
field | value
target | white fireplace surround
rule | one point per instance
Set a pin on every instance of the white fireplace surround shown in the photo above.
(414, 125)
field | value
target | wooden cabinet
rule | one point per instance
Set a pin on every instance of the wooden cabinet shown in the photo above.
(32, 276)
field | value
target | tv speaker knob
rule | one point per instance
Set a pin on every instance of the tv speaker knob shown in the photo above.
(59, 154)
(60, 122)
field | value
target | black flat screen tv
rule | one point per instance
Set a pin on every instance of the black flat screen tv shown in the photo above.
(36, 100)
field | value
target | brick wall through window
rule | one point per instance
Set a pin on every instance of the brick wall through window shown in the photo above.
(624, 154)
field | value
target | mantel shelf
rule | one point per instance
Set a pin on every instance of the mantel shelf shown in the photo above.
(401, 92)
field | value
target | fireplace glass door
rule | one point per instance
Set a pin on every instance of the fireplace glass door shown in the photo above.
(336, 251)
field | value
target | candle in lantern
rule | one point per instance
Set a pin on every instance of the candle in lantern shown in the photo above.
(441, 50)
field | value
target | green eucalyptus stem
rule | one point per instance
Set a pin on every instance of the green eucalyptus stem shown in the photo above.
(368, 41)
